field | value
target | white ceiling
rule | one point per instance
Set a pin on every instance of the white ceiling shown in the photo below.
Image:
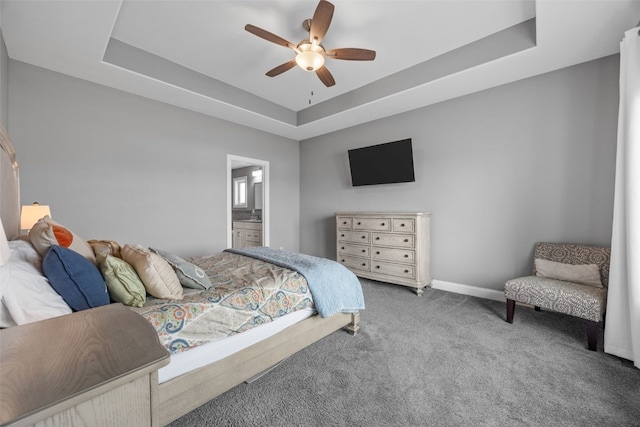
(197, 55)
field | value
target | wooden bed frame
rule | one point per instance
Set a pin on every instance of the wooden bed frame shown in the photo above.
(191, 390)
(186, 392)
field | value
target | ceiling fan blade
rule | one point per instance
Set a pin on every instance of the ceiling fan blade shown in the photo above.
(325, 76)
(352, 54)
(282, 68)
(321, 21)
(268, 36)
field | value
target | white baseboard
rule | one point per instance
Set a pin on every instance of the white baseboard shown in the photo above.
(473, 291)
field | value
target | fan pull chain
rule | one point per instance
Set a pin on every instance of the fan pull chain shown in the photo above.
(311, 96)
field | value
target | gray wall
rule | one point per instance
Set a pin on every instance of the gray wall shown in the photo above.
(117, 166)
(4, 83)
(499, 170)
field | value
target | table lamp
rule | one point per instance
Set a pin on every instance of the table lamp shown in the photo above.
(31, 214)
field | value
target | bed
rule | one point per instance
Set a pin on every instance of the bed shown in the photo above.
(281, 314)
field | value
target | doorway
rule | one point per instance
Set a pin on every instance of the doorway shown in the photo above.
(254, 192)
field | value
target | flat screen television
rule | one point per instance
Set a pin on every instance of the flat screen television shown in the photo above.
(387, 163)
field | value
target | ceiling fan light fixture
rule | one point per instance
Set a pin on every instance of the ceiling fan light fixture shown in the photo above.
(311, 56)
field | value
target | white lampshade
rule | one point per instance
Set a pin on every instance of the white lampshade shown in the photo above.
(309, 60)
(32, 213)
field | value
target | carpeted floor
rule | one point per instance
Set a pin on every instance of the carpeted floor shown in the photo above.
(442, 359)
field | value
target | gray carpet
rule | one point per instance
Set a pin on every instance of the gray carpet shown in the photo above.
(442, 359)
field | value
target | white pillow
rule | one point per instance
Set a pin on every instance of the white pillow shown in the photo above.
(4, 246)
(25, 294)
(585, 274)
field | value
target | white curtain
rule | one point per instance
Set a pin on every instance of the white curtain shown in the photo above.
(622, 328)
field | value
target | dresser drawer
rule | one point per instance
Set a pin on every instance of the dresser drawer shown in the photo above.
(253, 236)
(404, 225)
(399, 255)
(375, 224)
(344, 222)
(355, 263)
(406, 271)
(392, 247)
(354, 236)
(349, 249)
(400, 240)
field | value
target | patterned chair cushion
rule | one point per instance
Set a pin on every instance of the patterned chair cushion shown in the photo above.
(570, 298)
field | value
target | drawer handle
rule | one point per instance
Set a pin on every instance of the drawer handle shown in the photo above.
(359, 223)
(406, 271)
(377, 252)
(342, 260)
(342, 235)
(382, 224)
(342, 248)
(402, 225)
(344, 223)
(377, 238)
(406, 240)
(364, 250)
(377, 266)
(364, 265)
(405, 255)
(364, 237)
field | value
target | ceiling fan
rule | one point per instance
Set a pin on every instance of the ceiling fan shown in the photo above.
(310, 54)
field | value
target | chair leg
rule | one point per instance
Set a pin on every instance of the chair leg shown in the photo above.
(592, 335)
(511, 308)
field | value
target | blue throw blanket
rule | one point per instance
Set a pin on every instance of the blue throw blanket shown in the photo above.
(334, 288)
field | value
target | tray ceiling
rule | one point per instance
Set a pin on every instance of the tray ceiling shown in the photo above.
(197, 55)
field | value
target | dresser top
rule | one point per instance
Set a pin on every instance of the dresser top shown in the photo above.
(384, 213)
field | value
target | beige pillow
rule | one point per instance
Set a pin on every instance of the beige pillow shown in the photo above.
(156, 274)
(46, 232)
(105, 247)
(586, 274)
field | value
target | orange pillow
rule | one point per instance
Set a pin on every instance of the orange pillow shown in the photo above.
(63, 236)
(46, 233)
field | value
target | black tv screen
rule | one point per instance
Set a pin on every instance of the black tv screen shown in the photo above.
(387, 163)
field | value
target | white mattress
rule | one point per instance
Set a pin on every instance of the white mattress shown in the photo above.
(197, 357)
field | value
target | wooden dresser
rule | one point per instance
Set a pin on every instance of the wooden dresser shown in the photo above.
(389, 247)
(96, 367)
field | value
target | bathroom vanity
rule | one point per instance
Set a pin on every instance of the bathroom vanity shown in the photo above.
(247, 233)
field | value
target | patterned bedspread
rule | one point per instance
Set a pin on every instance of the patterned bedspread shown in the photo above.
(246, 292)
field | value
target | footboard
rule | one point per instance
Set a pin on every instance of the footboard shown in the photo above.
(189, 391)
(95, 367)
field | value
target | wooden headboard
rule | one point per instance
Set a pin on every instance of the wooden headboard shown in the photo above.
(9, 186)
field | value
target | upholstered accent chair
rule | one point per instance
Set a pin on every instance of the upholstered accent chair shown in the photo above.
(567, 278)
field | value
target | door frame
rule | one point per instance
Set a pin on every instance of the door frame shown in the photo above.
(233, 160)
